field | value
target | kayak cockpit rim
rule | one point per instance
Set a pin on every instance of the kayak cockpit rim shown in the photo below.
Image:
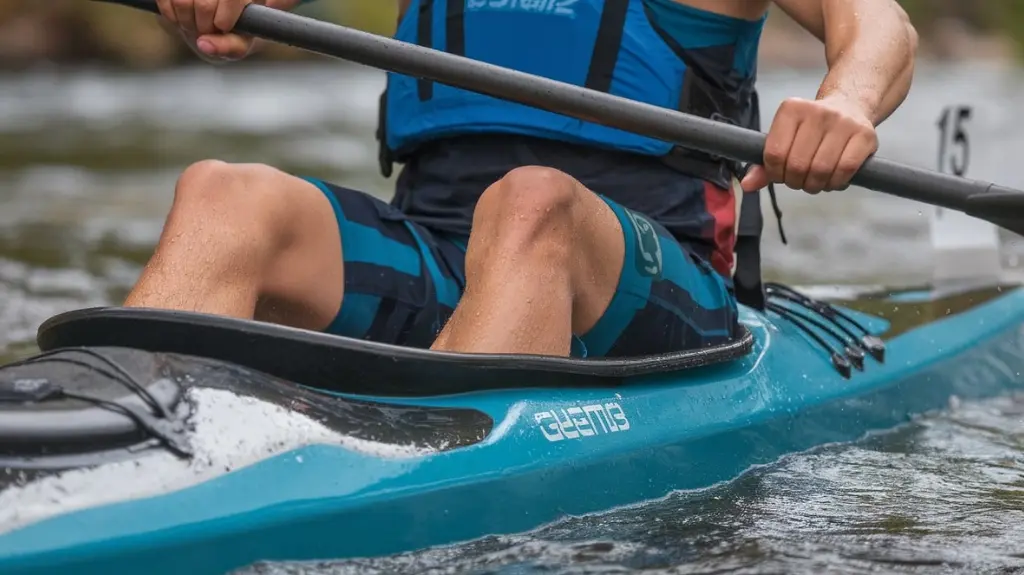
(354, 366)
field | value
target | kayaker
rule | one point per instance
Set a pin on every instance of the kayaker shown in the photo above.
(513, 230)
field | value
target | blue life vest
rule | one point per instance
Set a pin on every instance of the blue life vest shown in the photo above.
(653, 51)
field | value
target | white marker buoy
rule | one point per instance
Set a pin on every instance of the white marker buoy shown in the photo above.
(964, 248)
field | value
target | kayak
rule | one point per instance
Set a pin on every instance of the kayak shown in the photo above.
(150, 441)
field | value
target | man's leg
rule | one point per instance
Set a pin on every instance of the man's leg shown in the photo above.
(542, 263)
(548, 259)
(245, 240)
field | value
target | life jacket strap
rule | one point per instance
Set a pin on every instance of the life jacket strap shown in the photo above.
(606, 46)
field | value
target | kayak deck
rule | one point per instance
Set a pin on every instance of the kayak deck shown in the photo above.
(550, 452)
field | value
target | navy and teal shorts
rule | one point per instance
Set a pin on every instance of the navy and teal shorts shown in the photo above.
(403, 281)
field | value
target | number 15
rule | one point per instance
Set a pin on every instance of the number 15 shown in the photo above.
(951, 133)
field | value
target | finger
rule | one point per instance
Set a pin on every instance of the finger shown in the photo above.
(805, 145)
(184, 14)
(205, 10)
(857, 151)
(167, 11)
(779, 141)
(227, 46)
(228, 14)
(825, 161)
(755, 179)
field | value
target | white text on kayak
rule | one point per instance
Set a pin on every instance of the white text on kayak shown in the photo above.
(582, 421)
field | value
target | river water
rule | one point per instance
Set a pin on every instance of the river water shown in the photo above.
(88, 160)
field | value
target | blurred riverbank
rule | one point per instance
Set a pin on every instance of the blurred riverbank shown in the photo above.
(67, 32)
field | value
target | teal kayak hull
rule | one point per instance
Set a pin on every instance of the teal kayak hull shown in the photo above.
(550, 453)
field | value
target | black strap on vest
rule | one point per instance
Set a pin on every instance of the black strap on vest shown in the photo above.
(606, 47)
(455, 27)
(385, 157)
(747, 279)
(425, 37)
(455, 35)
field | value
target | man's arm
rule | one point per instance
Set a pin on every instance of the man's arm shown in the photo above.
(816, 145)
(869, 47)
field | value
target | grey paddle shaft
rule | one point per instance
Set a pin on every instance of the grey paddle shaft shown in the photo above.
(978, 198)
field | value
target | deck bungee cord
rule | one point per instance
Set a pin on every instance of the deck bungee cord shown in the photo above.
(840, 319)
(32, 383)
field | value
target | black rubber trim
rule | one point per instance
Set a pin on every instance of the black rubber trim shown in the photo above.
(606, 47)
(425, 37)
(356, 366)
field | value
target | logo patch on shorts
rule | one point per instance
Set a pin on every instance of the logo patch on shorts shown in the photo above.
(648, 246)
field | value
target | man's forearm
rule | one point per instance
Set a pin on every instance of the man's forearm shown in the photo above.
(870, 47)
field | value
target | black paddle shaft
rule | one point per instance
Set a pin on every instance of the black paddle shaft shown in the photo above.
(998, 204)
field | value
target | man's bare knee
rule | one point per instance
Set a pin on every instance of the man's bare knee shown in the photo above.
(203, 175)
(529, 204)
(531, 193)
(251, 199)
(545, 219)
(527, 217)
(211, 182)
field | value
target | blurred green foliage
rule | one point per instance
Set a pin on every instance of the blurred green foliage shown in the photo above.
(377, 16)
(75, 30)
(1005, 17)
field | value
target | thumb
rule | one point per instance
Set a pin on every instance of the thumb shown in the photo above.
(225, 46)
(755, 179)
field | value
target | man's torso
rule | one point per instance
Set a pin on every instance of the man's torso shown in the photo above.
(710, 46)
